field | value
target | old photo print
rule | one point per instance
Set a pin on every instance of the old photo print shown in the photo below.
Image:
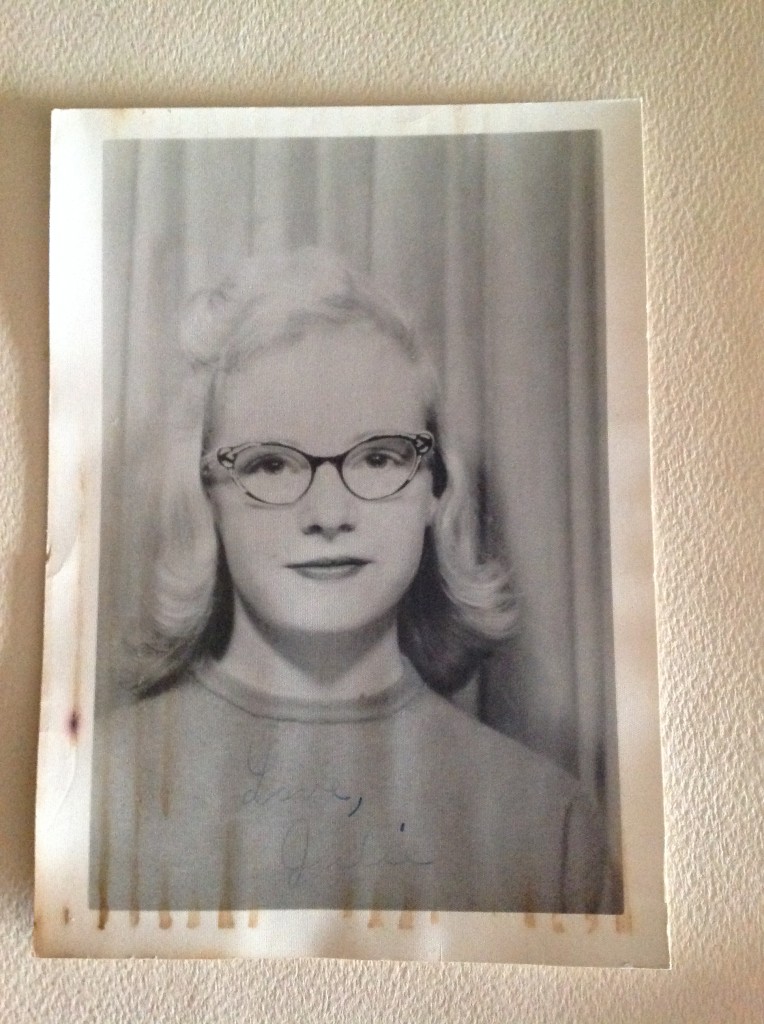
(350, 624)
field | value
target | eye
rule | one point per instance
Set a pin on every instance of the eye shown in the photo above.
(384, 457)
(262, 461)
(271, 465)
(381, 454)
(379, 459)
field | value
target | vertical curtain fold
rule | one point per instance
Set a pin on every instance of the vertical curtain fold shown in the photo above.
(526, 290)
(585, 510)
(345, 179)
(462, 308)
(490, 243)
(407, 224)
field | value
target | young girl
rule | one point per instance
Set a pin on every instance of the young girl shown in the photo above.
(317, 589)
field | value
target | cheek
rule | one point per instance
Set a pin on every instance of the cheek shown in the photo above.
(424, 504)
(249, 535)
(401, 529)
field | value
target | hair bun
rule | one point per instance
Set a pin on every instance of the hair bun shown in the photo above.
(267, 296)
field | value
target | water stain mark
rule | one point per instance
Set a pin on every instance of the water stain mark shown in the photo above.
(194, 919)
(624, 923)
(558, 925)
(529, 907)
(165, 919)
(66, 915)
(375, 919)
(134, 917)
(73, 725)
(225, 915)
(169, 712)
(406, 920)
(348, 904)
(253, 919)
(434, 917)
(103, 901)
(80, 597)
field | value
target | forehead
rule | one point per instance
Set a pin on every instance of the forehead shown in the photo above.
(323, 392)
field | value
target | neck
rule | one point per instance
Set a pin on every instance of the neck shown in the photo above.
(309, 666)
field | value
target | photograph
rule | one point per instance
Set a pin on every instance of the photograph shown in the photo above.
(355, 563)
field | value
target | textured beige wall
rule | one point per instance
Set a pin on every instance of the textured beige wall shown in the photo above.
(696, 65)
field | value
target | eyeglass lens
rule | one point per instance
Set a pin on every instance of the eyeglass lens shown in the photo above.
(280, 475)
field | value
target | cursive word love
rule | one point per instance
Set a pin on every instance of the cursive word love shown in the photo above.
(268, 789)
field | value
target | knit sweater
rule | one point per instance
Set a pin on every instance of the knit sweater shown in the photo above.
(212, 796)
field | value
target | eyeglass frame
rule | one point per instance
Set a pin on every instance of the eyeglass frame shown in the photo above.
(423, 442)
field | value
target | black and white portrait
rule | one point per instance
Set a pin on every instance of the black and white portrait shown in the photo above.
(349, 407)
(355, 649)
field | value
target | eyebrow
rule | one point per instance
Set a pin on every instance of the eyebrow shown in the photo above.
(357, 439)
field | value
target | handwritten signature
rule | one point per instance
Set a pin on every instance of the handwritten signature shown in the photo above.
(267, 790)
(304, 847)
(300, 852)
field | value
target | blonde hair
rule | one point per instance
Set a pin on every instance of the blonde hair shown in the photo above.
(460, 604)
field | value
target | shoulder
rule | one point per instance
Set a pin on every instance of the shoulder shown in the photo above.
(525, 804)
(144, 729)
(483, 747)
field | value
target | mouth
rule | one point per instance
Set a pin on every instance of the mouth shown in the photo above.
(329, 568)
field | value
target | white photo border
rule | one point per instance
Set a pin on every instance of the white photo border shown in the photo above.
(64, 923)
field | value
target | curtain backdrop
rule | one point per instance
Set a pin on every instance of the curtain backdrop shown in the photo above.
(491, 243)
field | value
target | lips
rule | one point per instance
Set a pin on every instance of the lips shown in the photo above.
(329, 568)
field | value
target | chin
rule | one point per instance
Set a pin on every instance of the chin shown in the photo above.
(314, 608)
(323, 614)
(327, 624)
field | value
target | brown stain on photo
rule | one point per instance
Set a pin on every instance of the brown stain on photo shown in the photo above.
(558, 925)
(348, 904)
(165, 917)
(406, 920)
(194, 919)
(253, 919)
(624, 923)
(168, 755)
(73, 725)
(103, 905)
(134, 917)
(592, 923)
(79, 607)
(118, 115)
(103, 866)
(434, 917)
(375, 919)
(529, 908)
(66, 915)
(225, 915)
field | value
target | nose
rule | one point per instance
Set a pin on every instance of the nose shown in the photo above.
(328, 508)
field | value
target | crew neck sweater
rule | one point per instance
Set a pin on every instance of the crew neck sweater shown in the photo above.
(211, 795)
